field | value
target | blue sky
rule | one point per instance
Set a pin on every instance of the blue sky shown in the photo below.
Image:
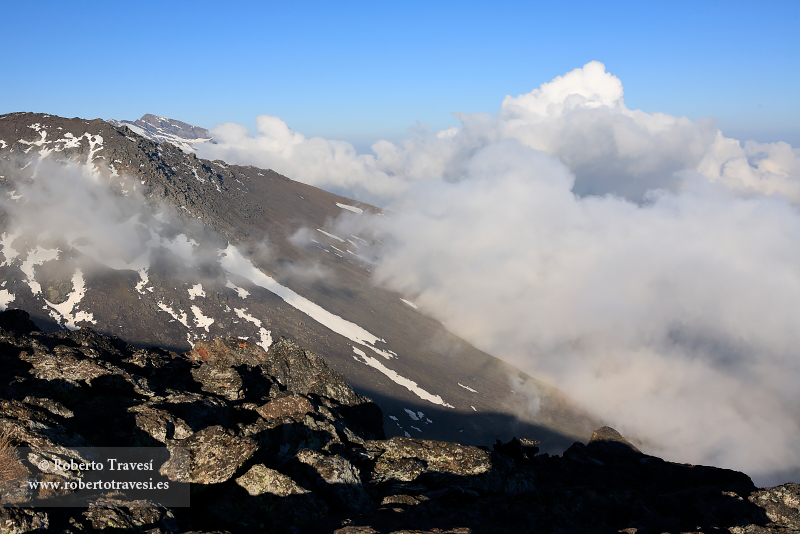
(361, 71)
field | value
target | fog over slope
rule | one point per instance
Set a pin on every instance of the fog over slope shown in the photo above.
(644, 263)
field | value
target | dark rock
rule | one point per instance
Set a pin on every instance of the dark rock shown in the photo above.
(21, 520)
(291, 406)
(781, 504)
(219, 379)
(17, 322)
(260, 479)
(160, 424)
(337, 478)
(607, 441)
(109, 513)
(304, 372)
(210, 456)
(521, 450)
(405, 458)
(277, 441)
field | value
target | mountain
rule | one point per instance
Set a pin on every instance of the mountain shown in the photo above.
(101, 227)
(163, 130)
(97, 435)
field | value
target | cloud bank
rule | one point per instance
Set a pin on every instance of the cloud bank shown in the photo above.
(644, 263)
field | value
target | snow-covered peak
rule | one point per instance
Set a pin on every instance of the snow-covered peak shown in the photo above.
(162, 129)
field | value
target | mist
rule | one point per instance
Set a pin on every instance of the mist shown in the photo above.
(645, 264)
(59, 204)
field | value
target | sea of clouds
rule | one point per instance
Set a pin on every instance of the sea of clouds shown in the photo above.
(643, 263)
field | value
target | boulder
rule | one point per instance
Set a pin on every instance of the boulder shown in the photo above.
(210, 456)
(781, 504)
(260, 479)
(22, 520)
(405, 458)
(115, 514)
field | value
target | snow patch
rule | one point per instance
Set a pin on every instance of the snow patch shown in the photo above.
(330, 235)
(466, 387)
(196, 291)
(264, 335)
(350, 208)
(233, 262)
(144, 279)
(65, 309)
(6, 297)
(243, 293)
(8, 251)
(201, 180)
(412, 305)
(401, 380)
(182, 318)
(411, 414)
(35, 257)
(201, 320)
(242, 313)
(265, 338)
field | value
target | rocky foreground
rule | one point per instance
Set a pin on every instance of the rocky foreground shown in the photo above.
(276, 441)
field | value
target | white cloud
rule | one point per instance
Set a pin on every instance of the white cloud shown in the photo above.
(580, 118)
(675, 320)
(644, 263)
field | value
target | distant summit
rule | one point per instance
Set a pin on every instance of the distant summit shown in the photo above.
(161, 129)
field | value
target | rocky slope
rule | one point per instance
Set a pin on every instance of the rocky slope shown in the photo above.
(277, 441)
(157, 246)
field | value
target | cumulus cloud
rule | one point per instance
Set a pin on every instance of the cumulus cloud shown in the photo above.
(644, 263)
(579, 118)
(674, 320)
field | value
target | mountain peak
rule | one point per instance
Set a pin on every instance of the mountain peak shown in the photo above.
(163, 129)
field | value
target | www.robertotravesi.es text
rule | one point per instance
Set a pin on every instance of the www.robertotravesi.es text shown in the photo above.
(97, 485)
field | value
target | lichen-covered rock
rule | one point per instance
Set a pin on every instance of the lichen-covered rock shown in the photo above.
(402, 458)
(781, 504)
(210, 456)
(276, 441)
(160, 424)
(260, 479)
(21, 520)
(304, 372)
(219, 379)
(227, 352)
(118, 514)
(292, 406)
(54, 407)
(332, 469)
(337, 478)
(64, 363)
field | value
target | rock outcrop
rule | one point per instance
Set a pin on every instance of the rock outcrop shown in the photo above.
(276, 441)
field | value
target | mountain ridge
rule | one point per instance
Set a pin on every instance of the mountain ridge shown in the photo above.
(221, 261)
